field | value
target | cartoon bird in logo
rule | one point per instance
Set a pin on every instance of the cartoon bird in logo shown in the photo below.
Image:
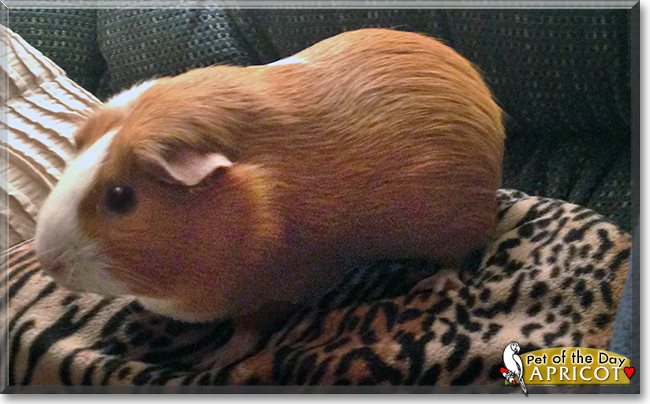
(514, 365)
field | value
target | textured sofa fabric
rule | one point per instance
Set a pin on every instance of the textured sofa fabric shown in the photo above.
(563, 76)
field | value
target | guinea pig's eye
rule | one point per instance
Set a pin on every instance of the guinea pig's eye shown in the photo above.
(120, 199)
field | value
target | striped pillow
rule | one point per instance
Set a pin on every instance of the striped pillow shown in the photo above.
(40, 113)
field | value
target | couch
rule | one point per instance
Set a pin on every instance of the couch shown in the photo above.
(562, 76)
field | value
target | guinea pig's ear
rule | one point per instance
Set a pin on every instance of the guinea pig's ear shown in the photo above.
(187, 166)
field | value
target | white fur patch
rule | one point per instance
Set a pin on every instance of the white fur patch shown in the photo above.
(166, 308)
(125, 97)
(58, 237)
(292, 60)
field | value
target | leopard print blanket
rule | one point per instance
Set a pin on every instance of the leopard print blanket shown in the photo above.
(552, 277)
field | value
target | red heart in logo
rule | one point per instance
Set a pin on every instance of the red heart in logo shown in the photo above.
(503, 370)
(629, 371)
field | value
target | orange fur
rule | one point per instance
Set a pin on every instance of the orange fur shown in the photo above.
(96, 126)
(383, 144)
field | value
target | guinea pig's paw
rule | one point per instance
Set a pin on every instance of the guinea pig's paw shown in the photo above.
(440, 282)
(241, 344)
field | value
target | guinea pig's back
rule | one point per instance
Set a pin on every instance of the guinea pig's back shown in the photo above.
(392, 145)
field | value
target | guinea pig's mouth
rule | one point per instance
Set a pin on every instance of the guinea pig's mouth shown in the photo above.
(60, 272)
(55, 269)
(82, 273)
(51, 264)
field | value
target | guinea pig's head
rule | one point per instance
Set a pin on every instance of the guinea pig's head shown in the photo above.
(154, 206)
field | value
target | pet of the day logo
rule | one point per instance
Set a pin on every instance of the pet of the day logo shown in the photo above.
(567, 365)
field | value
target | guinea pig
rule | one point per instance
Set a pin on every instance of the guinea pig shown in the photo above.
(225, 189)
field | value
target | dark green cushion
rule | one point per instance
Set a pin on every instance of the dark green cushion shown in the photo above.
(139, 44)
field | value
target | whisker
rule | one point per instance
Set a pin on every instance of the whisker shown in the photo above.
(136, 279)
(63, 257)
(47, 251)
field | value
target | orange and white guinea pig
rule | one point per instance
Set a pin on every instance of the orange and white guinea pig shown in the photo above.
(222, 190)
